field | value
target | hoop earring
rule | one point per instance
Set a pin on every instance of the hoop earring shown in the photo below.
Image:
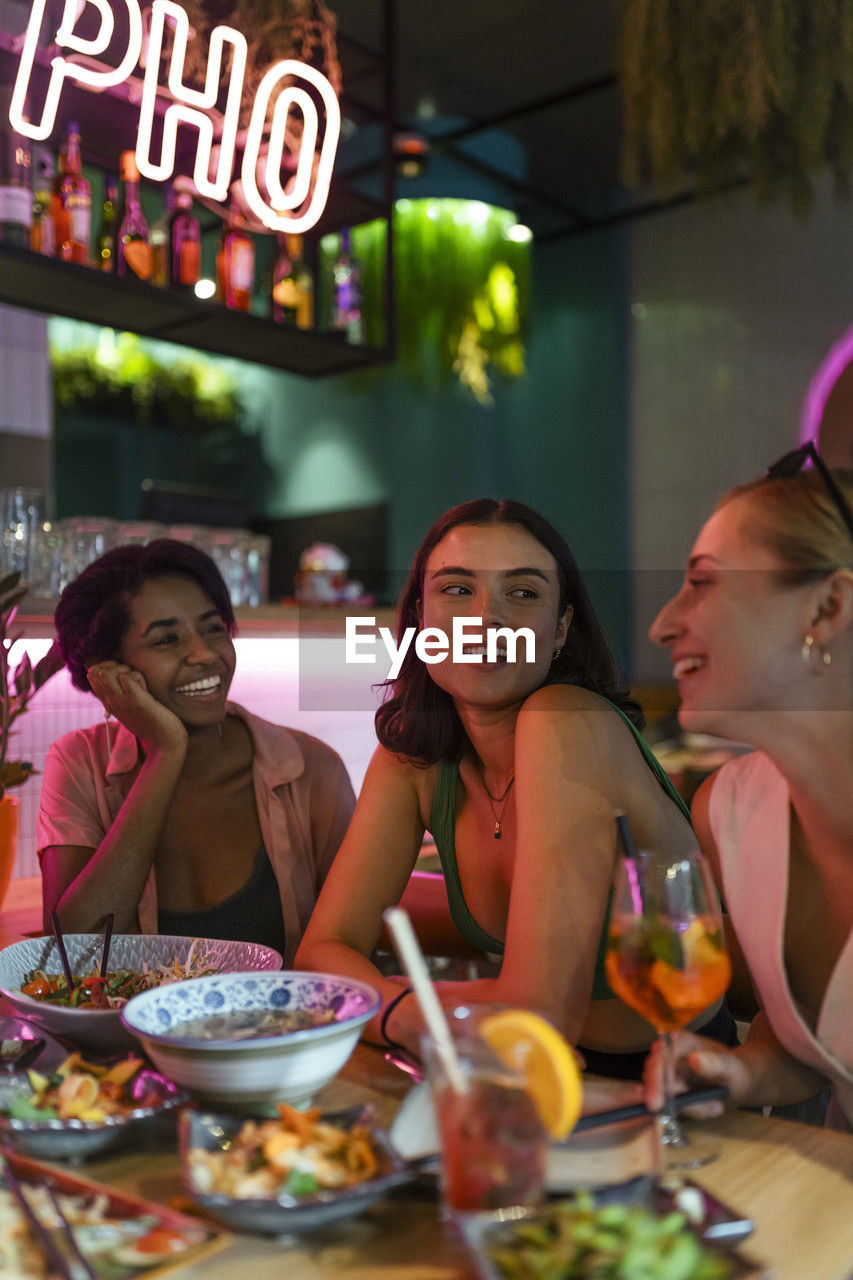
(817, 659)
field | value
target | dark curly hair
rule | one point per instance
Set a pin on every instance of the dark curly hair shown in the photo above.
(93, 612)
(418, 719)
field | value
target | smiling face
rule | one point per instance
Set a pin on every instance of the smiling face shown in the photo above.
(502, 574)
(735, 629)
(177, 639)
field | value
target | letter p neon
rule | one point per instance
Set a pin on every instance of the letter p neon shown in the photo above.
(62, 69)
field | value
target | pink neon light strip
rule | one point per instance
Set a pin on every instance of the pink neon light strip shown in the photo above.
(820, 387)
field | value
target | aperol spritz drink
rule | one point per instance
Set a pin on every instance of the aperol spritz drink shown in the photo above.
(666, 956)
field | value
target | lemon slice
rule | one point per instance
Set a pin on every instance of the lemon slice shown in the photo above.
(527, 1043)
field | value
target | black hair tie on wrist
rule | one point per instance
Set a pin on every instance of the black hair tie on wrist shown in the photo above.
(386, 1014)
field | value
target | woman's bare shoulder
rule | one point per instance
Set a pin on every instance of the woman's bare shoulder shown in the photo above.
(389, 764)
(591, 713)
(387, 770)
(585, 726)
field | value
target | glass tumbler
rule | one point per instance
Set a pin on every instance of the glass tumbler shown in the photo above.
(228, 549)
(493, 1144)
(257, 552)
(22, 514)
(84, 539)
(140, 532)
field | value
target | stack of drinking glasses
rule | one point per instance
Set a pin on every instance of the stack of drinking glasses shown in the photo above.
(50, 554)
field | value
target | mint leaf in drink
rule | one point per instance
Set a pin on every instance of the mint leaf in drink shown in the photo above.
(664, 944)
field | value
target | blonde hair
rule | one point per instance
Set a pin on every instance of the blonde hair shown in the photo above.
(796, 517)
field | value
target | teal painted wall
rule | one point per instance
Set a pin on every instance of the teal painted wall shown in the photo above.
(556, 438)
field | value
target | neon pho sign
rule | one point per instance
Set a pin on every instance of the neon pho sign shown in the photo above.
(193, 106)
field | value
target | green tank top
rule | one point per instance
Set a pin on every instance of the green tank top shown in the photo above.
(442, 825)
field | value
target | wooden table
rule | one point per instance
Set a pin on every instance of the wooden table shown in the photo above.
(796, 1182)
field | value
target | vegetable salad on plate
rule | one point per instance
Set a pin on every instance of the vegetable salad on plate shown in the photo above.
(91, 991)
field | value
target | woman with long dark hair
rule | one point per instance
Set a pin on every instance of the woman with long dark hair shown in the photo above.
(516, 766)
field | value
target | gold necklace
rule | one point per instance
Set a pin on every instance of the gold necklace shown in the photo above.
(502, 800)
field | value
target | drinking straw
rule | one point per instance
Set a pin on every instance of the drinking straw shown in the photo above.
(108, 937)
(412, 960)
(63, 954)
(625, 835)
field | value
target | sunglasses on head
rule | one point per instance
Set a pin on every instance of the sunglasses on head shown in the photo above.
(792, 462)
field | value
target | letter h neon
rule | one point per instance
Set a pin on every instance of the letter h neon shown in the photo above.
(191, 106)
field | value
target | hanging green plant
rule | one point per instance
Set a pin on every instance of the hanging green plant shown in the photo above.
(737, 89)
(129, 384)
(461, 291)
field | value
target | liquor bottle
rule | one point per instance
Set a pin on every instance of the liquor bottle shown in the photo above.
(16, 197)
(133, 250)
(105, 240)
(235, 263)
(61, 221)
(304, 282)
(346, 293)
(159, 240)
(42, 234)
(184, 244)
(292, 293)
(284, 293)
(75, 195)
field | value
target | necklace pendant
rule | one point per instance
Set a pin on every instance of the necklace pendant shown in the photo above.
(497, 832)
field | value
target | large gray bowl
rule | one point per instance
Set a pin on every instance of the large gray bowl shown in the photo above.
(101, 1030)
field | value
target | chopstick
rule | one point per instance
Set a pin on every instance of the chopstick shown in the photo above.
(108, 936)
(68, 1235)
(54, 1255)
(692, 1098)
(63, 954)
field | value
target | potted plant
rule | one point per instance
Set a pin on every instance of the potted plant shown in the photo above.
(17, 686)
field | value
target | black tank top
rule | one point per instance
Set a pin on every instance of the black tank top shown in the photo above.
(252, 914)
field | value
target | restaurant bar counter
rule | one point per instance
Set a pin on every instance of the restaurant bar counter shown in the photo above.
(793, 1180)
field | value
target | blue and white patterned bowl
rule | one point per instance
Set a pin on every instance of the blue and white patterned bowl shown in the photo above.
(245, 1073)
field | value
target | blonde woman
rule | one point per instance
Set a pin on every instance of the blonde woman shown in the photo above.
(761, 637)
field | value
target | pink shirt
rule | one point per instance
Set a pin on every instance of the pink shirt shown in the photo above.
(750, 814)
(302, 790)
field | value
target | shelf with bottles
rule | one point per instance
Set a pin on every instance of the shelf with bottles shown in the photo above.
(126, 237)
(117, 253)
(28, 279)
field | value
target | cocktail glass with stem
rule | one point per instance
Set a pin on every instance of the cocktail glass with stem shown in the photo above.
(666, 958)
